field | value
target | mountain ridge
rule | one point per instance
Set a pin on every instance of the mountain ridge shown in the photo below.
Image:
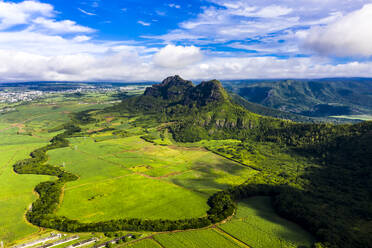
(313, 98)
(175, 88)
(201, 111)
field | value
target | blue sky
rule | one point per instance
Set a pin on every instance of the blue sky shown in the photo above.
(131, 40)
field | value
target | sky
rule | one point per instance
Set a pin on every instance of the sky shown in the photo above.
(148, 40)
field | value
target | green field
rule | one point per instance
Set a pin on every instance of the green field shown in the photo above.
(16, 191)
(146, 243)
(21, 132)
(200, 238)
(257, 225)
(129, 177)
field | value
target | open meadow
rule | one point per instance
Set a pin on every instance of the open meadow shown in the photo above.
(129, 177)
(257, 225)
(22, 131)
(208, 238)
(16, 191)
(146, 243)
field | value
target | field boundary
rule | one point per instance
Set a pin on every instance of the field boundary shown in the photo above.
(160, 244)
(238, 241)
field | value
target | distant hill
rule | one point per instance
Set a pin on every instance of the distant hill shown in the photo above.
(313, 98)
(266, 111)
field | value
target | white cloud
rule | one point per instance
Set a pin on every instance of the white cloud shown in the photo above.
(39, 15)
(175, 35)
(160, 13)
(259, 20)
(46, 44)
(273, 11)
(129, 64)
(172, 5)
(241, 8)
(51, 49)
(350, 35)
(60, 27)
(210, 16)
(12, 14)
(144, 23)
(177, 56)
(86, 12)
(81, 38)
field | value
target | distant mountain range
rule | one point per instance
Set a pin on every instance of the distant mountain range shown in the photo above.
(300, 100)
(312, 98)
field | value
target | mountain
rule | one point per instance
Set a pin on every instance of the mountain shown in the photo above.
(176, 89)
(314, 98)
(266, 111)
(276, 113)
(332, 198)
(197, 112)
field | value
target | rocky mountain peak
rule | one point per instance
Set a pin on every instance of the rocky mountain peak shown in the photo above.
(172, 88)
(179, 90)
(206, 92)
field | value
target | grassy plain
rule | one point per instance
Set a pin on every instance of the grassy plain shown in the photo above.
(146, 243)
(129, 177)
(16, 191)
(257, 225)
(21, 132)
(193, 239)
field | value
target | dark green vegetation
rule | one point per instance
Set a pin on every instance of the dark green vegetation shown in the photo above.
(317, 175)
(315, 98)
(257, 225)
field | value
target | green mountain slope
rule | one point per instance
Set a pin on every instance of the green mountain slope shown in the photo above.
(332, 200)
(316, 98)
(271, 112)
(266, 111)
(197, 112)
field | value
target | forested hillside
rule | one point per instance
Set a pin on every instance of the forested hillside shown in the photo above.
(316, 98)
(266, 111)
